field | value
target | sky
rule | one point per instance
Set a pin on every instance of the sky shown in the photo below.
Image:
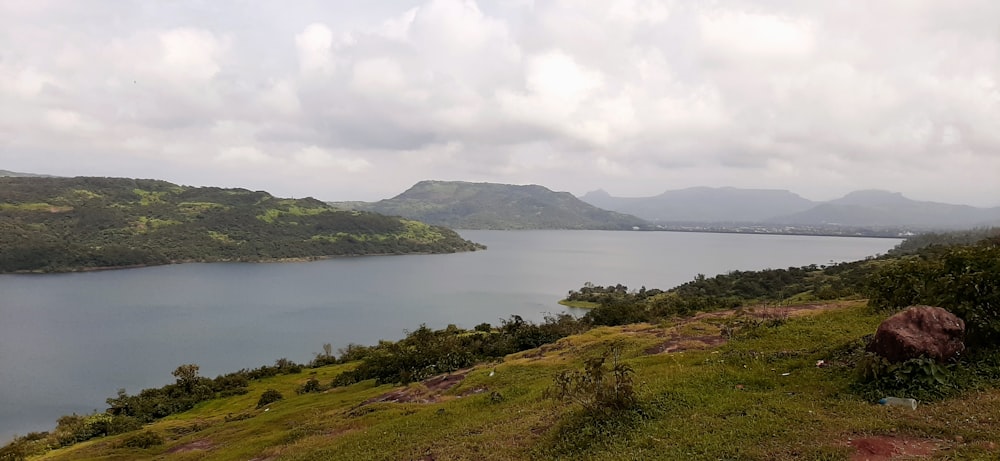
(348, 100)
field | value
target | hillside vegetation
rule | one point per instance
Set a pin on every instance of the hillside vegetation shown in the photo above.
(64, 224)
(772, 379)
(467, 205)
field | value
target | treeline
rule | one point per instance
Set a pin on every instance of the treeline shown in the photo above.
(61, 224)
(618, 305)
(914, 244)
(425, 352)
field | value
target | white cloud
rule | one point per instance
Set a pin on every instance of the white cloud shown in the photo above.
(242, 156)
(191, 55)
(743, 35)
(315, 49)
(317, 157)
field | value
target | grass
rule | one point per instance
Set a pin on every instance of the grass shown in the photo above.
(758, 397)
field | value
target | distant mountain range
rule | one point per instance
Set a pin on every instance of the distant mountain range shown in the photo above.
(467, 205)
(867, 208)
(705, 204)
(14, 174)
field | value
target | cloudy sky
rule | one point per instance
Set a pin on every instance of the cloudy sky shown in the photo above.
(348, 100)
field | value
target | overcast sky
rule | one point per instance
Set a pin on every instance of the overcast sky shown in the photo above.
(352, 100)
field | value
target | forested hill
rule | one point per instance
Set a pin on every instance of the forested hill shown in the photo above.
(468, 205)
(65, 224)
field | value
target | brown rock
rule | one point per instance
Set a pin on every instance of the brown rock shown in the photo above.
(919, 331)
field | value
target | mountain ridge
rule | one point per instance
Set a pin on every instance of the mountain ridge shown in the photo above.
(863, 208)
(484, 205)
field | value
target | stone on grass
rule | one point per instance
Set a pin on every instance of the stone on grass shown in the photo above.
(920, 331)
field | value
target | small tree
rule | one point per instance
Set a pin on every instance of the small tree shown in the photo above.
(187, 376)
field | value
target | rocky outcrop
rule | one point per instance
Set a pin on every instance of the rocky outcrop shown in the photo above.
(920, 331)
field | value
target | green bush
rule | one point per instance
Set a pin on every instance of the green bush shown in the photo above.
(920, 378)
(268, 397)
(312, 385)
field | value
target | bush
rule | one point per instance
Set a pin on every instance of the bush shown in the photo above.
(920, 378)
(600, 388)
(312, 385)
(268, 397)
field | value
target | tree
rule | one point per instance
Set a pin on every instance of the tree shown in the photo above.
(187, 376)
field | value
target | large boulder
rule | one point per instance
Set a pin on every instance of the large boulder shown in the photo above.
(919, 331)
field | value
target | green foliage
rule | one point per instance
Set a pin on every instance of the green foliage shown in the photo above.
(920, 243)
(63, 224)
(962, 279)
(617, 305)
(601, 388)
(425, 352)
(920, 378)
(145, 439)
(268, 397)
(311, 385)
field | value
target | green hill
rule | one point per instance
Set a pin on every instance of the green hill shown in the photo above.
(64, 224)
(466, 205)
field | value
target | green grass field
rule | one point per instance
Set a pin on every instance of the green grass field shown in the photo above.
(710, 387)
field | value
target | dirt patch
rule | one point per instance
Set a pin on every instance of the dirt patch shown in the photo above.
(201, 444)
(680, 344)
(427, 391)
(473, 391)
(878, 448)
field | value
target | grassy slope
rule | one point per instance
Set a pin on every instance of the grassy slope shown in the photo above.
(727, 402)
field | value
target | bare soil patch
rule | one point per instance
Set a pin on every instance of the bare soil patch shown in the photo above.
(881, 447)
(678, 342)
(427, 391)
(200, 444)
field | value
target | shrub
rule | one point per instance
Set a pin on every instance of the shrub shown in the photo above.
(269, 396)
(921, 378)
(601, 388)
(312, 385)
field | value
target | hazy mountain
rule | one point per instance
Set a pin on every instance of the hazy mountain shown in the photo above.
(705, 204)
(467, 205)
(63, 224)
(867, 208)
(14, 174)
(877, 208)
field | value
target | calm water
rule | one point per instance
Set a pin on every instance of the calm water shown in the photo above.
(68, 341)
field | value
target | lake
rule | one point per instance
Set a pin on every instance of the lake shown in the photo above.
(69, 341)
